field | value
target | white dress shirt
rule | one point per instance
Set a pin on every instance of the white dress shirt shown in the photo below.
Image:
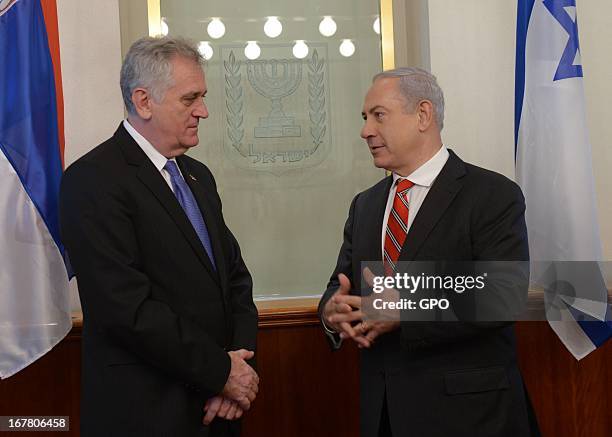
(158, 160)
(423, 178)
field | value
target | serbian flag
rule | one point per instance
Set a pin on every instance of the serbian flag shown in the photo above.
(34, 298)
(554, 169)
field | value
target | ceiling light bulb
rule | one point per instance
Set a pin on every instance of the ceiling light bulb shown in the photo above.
(205, 50)
(164, 26)
(300, 49)
(252, 50)
(216, 28)
(376, 25)
(347, 48)
(327, 27)
(273, 27)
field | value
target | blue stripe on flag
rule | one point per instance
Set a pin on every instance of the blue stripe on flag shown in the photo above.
(599, 332)
(525, 7)
(28, 114)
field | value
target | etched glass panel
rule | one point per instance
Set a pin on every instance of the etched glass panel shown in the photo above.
(282, 138)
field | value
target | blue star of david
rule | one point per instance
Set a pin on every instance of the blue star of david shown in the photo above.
(566, 68)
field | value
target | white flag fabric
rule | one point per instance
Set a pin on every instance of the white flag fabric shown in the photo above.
(554, 169)
(34, 296)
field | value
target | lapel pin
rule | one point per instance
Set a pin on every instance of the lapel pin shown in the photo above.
(192, 177)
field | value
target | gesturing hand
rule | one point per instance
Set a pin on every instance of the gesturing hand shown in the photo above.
(368, 331)
(342, 309)
(243, 383)
(379, 321)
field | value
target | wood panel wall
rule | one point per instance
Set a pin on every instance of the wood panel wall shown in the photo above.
(307, 390)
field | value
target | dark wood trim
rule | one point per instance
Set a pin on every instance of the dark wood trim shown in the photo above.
(303, 312)
(288, 312)
(288, 317)
(305, 387)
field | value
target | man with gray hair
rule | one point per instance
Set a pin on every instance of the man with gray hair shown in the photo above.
(426, 378)
(169, 323)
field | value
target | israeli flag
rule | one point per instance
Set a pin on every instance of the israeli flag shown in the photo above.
(554, 169)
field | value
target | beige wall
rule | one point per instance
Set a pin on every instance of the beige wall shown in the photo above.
(472, 51)
(472, 54)
(595, 21)
(90, 52)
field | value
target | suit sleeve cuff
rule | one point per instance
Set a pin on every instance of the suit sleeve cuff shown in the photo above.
(333, 336)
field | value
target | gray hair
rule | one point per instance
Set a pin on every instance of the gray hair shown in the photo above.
(148, 64)
(415, 85)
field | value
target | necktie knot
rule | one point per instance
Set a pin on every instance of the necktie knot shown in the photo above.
(172, 169)
(404, 185)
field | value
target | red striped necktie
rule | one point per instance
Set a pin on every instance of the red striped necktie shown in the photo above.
(397, 225)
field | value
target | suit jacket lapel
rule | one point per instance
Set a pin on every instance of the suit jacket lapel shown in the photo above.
(153, 180)
(373, 222)
(212, 224)
(441, 194)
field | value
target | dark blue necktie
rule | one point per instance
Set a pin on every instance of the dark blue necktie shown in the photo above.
(190, 206)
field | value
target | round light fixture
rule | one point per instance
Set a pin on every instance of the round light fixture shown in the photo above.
(205, 50)
(164, 26)
(216, 28)
(376, 25)
(300, 49)
(273, 27)
(347, 48)
(252, 50)
(327, 26)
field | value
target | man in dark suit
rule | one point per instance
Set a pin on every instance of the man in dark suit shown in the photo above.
(169, 321)
(427, 378)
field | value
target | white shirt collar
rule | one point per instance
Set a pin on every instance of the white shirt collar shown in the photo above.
(158, 160)
(427, 173)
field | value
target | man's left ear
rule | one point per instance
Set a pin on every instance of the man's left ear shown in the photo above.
(142, 103)
(425, 114)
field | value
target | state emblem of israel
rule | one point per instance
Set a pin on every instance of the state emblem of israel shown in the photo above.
(276, 108)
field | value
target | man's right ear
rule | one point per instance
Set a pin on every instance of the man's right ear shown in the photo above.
(142, 103)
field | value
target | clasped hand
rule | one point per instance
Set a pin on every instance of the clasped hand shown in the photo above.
(239, 391)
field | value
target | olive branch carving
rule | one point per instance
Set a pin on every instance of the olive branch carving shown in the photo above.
(316, 100)
(234, 101)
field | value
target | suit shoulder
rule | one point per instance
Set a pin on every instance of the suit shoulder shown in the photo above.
(489, 181)
(194, 164)
(200, 169)
(101, 168)
(103, 155)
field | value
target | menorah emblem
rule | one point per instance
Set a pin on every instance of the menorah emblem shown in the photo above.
(275, 79)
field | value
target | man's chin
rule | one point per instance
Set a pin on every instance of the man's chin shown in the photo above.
(380, 163)
(190, 142)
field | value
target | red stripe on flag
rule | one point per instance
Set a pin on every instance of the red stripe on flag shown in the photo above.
(49, 8)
